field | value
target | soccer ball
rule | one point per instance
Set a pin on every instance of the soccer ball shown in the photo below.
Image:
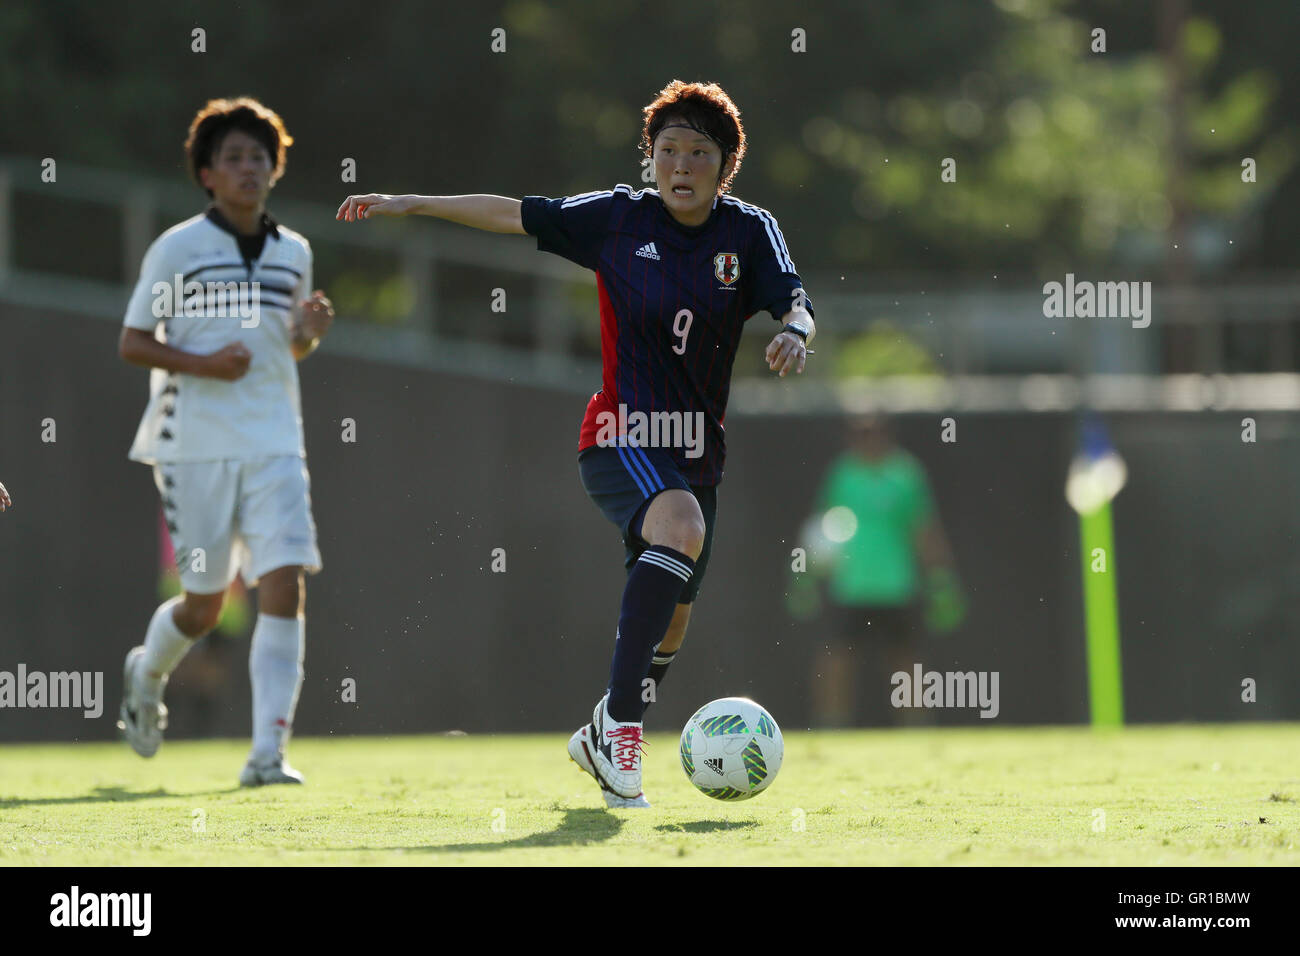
(731, 749)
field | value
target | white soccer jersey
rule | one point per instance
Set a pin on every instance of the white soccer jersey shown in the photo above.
(191, 418)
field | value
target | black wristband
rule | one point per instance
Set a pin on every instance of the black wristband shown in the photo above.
(798, 330)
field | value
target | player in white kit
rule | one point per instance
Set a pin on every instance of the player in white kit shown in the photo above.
(230, 289)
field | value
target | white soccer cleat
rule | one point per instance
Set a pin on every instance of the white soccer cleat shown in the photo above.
(141, 720)
(611, 752)
(261, 773)
(615, 802)
(580, 752)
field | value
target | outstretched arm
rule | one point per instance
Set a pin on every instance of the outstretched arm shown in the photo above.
(489, 213)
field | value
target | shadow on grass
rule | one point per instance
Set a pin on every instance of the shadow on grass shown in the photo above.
(578, 828)
(106, 795)
(706, 826)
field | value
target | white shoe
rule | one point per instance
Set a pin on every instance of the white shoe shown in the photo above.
(260, 773)
(615, 802)
(141, 720)
(612, 752)
(580, 751)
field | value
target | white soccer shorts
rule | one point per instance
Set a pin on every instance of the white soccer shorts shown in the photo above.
(233, 515)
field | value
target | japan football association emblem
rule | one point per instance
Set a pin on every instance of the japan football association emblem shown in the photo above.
(726, 266)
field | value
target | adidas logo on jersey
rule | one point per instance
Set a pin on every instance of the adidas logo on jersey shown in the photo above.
(649, 251)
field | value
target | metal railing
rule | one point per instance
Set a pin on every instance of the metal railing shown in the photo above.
(969, 333)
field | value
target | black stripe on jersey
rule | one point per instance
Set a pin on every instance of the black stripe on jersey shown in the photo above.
(283, 290)
(263, 292)
(218, 300)
(243, 273)
(218, 265)
(263, 289)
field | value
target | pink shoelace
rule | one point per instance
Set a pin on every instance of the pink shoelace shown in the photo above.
(628, 743)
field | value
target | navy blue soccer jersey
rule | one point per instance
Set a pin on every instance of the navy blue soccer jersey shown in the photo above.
(673, 303)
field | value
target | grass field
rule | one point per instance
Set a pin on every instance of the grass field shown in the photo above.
(1184, 795)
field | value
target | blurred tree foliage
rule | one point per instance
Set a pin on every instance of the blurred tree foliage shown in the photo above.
(883, 350)
(1062, 154)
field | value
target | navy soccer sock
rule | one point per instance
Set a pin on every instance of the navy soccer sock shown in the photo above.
(649, 600)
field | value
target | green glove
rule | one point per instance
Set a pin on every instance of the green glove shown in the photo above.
(945, 608)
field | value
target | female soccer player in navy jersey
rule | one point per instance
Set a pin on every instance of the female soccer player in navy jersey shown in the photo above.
(679, 270)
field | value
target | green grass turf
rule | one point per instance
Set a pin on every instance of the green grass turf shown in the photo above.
(1183, 795)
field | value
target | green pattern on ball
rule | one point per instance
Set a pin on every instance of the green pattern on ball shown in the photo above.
(723, 724)
(766, 726)
(755, 765)
(724, 793)
(688, 762)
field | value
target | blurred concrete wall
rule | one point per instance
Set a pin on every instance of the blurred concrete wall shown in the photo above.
(446, 469)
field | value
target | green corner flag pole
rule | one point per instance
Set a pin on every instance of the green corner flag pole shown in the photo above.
(1101, 614)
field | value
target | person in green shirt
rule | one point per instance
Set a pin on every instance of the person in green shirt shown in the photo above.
(881, 552)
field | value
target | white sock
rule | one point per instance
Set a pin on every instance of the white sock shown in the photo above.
(275, 666)
(164, 646)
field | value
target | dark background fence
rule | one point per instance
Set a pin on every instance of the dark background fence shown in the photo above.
(446, 468)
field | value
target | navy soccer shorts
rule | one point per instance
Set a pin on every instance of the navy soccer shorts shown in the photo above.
(622, 481)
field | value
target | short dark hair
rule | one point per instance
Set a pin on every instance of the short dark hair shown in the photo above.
(218, 117)
(705, 106)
